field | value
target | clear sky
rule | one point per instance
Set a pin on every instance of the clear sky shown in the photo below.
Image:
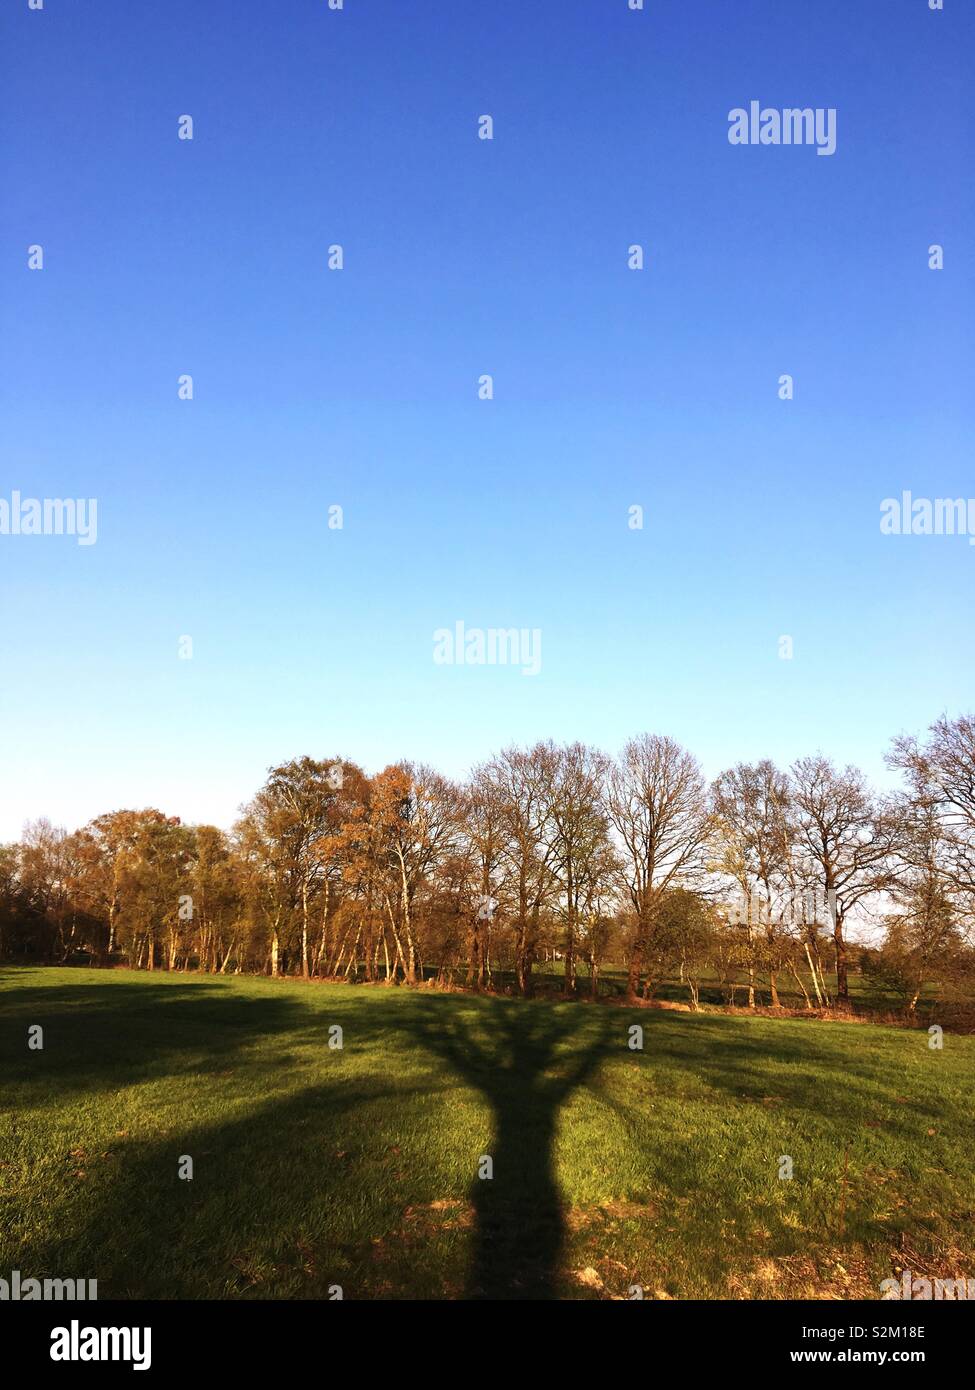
(359, 387)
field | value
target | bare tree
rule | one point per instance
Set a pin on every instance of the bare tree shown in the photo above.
(486, 823)
(657, 803)
(926, 935)
(848, 841)
(524, 779)
(941, 774)
(577, 834)
(752, 805)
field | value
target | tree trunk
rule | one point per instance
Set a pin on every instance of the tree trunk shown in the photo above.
(570, 968)
(634, 969)
(474, 971)
(798, 980)
(529, 949)
(842, 980)
(352, 961)
(305, 970)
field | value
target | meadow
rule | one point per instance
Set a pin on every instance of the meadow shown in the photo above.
(316, 1166)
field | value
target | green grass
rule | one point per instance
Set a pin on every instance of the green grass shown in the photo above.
(315, 1167)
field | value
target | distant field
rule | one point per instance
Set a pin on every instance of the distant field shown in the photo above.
(358, 1167)
(865, 995)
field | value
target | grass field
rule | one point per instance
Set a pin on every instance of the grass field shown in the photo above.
(358, 1167)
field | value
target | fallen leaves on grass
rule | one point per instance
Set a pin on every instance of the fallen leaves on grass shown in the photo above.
(446, 1214)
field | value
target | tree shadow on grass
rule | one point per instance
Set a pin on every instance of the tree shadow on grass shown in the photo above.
(304, 1184)
(299, 1178)
(526, 1060)
(286, 1200)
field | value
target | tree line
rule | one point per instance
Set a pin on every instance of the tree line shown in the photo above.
(552, 852)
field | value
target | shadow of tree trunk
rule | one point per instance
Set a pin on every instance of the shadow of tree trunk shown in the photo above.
(526, 1062)
(520, 1222)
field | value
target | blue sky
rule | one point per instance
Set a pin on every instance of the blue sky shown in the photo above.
(359, 387)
